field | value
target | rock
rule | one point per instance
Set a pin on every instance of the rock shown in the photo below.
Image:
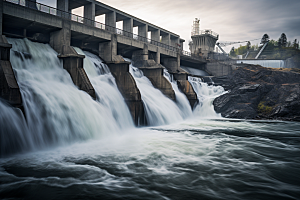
(255, 92)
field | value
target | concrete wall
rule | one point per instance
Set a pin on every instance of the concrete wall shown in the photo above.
(73, 63)
(9, 88)
(155, 75)
(128, 88)
(219, 69)
(153, 71)
(293, 62)
(185, 86)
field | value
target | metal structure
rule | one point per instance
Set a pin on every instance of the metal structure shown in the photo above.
(224, 44)
(196, 27)
(203, 41)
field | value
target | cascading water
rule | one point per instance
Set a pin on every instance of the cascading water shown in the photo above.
(206, 94)
(159, 109)
(56, 111)
(197, 159)
(106, 89)
(182, 101)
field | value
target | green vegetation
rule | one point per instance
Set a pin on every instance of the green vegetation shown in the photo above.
(276, 49)
(262, 108)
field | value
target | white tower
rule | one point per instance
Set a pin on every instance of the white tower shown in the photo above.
(203, 41)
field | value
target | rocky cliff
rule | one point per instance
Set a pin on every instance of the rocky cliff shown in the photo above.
(256, 92)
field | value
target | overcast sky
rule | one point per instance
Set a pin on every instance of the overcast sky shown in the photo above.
(233, 20)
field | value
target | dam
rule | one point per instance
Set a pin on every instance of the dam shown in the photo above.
(64, 30)
(88, 111)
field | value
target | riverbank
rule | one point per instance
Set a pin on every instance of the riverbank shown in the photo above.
(256, 92)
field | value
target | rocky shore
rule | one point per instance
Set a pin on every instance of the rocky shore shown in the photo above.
(256, 92)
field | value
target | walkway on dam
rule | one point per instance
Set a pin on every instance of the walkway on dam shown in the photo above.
(169, 43)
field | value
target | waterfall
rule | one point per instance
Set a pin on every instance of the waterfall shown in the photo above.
(159, 109)
(13, 130)
(56, 111)
(106, 88)
(206, 95)
(181, 99)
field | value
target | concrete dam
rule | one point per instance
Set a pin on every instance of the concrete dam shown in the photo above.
(75, 38)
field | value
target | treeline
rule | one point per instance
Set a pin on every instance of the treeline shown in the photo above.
(275, 49)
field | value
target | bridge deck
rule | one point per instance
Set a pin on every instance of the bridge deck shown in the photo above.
(45, 19)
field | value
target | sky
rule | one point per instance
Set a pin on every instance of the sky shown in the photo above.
(233, 20)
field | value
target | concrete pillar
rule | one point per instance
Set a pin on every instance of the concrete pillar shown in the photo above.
(108, 50)
(73, 63)
(61, 38)
(89, 13)
(157, 55)
(60, 41)
(128, 88)
(185, 86)
(143, 31)
(9, 88)
(110, 22)
(172, 64)
(166, 39)
(1, 16)
(63, 5)
(181, 44)
(128, 25)
(31, 4)
(174, 41)
(155, 74)
(155, 35)
(153, 71)
(140, 57)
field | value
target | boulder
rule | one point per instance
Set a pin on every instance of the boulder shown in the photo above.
(256, 92)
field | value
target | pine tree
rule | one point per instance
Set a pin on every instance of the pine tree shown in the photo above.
(282, 41)
(264, 39)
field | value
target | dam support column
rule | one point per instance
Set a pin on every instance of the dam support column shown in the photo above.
(73, 62)
(119, 68)
(172, 64)
(185, 86)
(153, 71)
(9, 88)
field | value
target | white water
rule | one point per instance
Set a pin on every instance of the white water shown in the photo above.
(56, 111)
(106, 89)
(181, 100)
(206, 95)
(159, 109)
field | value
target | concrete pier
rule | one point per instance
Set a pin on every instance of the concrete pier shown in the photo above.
(153, 71)
(128, 88)
(185, 86)
(9, 88)
(73, 63)
(61, 29)
(125, 82)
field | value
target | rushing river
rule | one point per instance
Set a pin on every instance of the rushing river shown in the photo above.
(70, 146)
(199, 159)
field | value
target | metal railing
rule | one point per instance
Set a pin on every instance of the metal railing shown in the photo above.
(93, 23)
(207, 32)
(89, 22)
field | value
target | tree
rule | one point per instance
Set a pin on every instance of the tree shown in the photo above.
(295, 44)
(264, 39)
(248, 45)
(282, 41)
(232, 52)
